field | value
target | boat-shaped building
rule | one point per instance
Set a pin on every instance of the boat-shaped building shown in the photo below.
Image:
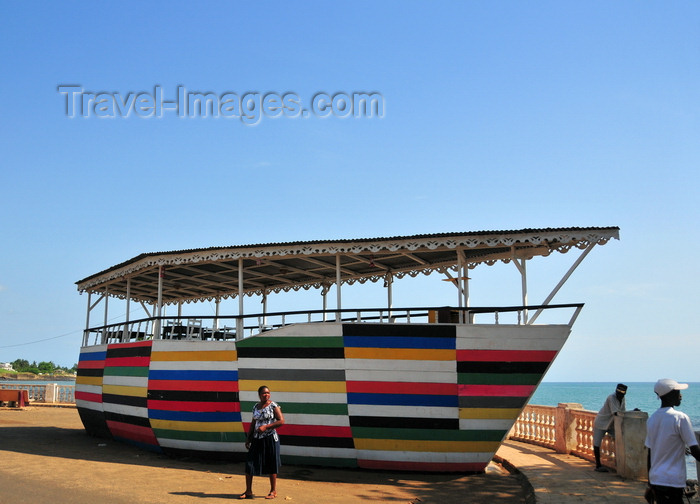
(425, 388)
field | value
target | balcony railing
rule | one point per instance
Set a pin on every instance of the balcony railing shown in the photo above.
(231, 327)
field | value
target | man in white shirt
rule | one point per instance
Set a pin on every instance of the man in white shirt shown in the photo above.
(669, 431)
(603, 422)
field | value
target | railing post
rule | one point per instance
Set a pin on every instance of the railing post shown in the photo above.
(630, 452)
(565, 428)
(50, 392)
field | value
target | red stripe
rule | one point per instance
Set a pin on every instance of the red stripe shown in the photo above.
(316, 430)
(91, 364)
(133, 432)
(401, 388)
(423, 466)
(127, 361)
(496, 390)
(194, 406)
(87, 396)
(136, 344)
(506, 355)
(194, 385)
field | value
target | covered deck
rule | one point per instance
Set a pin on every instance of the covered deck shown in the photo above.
(170, 279)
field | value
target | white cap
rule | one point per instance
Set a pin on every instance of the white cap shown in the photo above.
(666, 385)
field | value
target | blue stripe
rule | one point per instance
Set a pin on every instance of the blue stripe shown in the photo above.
(90, 356)
(403, 399)
(394, 342)
(192, 375)
(195, 416)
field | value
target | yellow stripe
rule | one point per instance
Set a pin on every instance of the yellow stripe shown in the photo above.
(124, 390)
(88, 380)
(293, 386)
(197, 426)
(210, 355)
(426, 446)
(508, 413)
(400, 353)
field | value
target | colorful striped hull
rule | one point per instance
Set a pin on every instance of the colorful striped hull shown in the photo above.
(423, 397)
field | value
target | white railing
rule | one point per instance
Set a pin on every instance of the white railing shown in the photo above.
(232, 327)
(45, 393)
(566, 428)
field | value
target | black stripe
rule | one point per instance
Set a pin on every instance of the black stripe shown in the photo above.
(501, 367)
(139, 351)
(404, 422)
(139, 402)
(127, 419)
(318, 441)
(194, 396)
(291, 353)
(491, 402)
(90, 372)
(408, 331)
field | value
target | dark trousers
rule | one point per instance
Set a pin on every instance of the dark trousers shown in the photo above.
(667, 495)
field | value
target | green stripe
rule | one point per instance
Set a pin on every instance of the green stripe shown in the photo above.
(319, 461)
(127, 371)
(219, 437)
(498, 379)
(293, 342)
(427, 434)
(308, 408)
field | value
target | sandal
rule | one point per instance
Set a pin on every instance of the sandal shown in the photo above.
(271, 495)
(245, 496)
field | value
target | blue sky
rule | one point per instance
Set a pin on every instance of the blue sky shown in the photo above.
(498, 115)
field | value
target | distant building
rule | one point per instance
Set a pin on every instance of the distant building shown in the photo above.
(6, 365)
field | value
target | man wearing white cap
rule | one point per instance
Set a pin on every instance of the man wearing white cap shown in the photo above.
(669, 431)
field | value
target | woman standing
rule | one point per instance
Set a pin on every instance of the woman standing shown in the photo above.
(263, 444)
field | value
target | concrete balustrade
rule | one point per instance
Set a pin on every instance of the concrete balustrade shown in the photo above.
(568, 428)
(45, 393)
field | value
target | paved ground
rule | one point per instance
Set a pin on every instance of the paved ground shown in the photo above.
(46, 457)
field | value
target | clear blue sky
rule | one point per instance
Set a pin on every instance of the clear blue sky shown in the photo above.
(498, 115)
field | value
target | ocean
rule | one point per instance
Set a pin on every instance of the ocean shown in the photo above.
(592, 395)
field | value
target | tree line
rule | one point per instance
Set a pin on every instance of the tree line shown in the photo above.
(43, 367)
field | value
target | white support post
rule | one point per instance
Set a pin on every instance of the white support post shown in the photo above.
(522, 268)
(104, 329)
(324, 293)
(239, 321)
(460, 286)
(264, 303)
(86, 335)
(563, 281)
(389, 292)
(127, 329)
(339, 306)
(179, 312)
(159, 305)
(216, 317)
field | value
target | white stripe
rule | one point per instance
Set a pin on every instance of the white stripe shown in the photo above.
(126, 381)
(307, 419)
(407, 456)
(400, 376)
(126, 410)
(511, 337)
(89, 389)
(194, 365)
(272, 363)
(329, 329)
(95, 348)
(214, 446)
(317, 451)
(80, 403)
(402, 411)
(485, 424)
(166, 345)
(415, 366)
